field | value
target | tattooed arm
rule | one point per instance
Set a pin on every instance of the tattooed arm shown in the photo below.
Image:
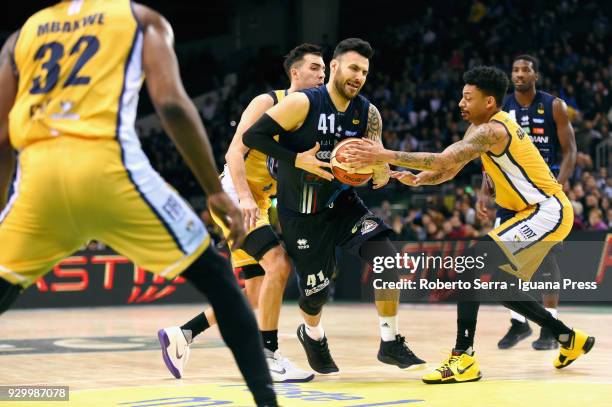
(426, 177)
(374, 133)
(374, 128)
(477, 140)
(438, 177)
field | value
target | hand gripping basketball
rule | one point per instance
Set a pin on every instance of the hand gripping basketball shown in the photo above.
(343, 172)
(308, 161)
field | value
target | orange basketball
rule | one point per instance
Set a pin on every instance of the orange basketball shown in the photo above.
(341, 171)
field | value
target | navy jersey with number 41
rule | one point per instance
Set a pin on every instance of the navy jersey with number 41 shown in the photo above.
(538, 122)
(299, 191)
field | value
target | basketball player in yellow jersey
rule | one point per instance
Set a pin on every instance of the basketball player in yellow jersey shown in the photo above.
(524, 184)
(249, 181)
(70, 80)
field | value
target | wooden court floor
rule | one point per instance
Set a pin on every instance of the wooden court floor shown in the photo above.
(111, 357)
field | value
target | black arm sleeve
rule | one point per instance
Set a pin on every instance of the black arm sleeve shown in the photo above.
(260, 136)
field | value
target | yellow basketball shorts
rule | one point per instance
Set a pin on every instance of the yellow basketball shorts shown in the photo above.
(240, 258)
(527, 237)
(68, 191)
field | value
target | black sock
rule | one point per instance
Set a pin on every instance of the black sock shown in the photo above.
(270, 340)
(531, 309)
(8, 294)
(535, 312)
(197, 325)
(522, 302)
(212, 275)
(467, 314)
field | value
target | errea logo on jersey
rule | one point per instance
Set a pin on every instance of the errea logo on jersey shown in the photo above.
(302, 244)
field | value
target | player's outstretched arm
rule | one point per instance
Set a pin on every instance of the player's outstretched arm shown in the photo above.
(426, 177)
(374, 132)
(8, 84)
(567, 140)
(235, 158)
(478, 140)
(288, 115)
(179, 116)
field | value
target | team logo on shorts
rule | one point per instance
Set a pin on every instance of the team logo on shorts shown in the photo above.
(190, 226)
(367, 226)
(173, 208)
(302, 244)
(527, 232)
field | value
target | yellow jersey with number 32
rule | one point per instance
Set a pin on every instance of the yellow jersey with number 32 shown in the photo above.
(71, 60)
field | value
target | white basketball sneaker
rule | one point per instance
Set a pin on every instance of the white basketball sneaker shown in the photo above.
(283, 371)
(175, 349)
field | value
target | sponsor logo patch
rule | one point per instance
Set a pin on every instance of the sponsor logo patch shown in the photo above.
(367, 226)
(302, 244)
(527, 232)
(323, 155)
(310, 291)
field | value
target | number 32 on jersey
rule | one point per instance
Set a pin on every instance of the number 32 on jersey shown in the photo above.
(52, 52)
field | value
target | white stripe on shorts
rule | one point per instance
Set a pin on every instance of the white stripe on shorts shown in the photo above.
(545, 220)
(182, 222)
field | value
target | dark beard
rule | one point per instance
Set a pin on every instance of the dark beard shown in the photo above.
(339, 85)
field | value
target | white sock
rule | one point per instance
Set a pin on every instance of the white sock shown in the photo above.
(388, 328)
(553, 311)
(315, 332)
(517, 316)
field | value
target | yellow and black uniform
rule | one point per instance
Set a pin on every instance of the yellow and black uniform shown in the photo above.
(259, 176)
(81, 172)
(524, 184)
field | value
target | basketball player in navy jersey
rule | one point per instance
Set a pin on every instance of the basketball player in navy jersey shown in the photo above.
(316, 213)
(544, 118)
(250, 181)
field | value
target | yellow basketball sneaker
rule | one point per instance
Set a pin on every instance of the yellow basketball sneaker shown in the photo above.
(579, 343)
(458, 368)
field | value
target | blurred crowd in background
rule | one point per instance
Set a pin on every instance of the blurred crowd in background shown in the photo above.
(416, 82)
